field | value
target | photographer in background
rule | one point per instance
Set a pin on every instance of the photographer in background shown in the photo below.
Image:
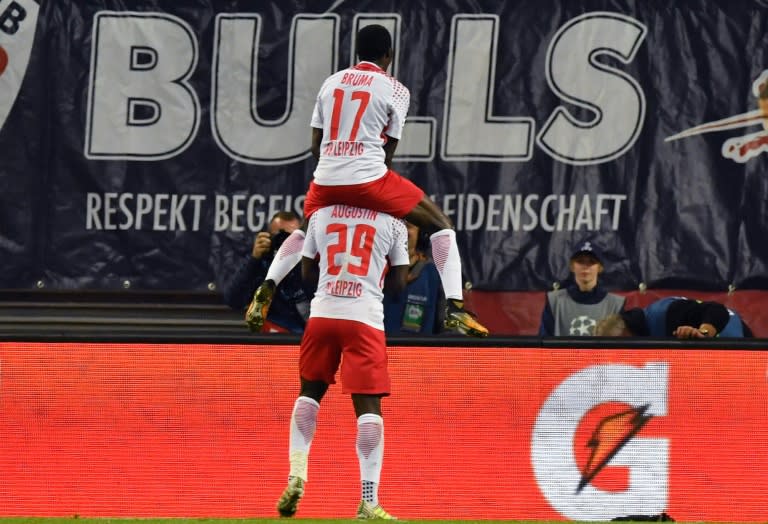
(290, 308)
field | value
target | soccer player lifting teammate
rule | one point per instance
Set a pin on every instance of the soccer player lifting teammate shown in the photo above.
(345, 256)
(356, 124)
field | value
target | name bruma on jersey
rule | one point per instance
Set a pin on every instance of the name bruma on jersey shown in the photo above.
(357, 79)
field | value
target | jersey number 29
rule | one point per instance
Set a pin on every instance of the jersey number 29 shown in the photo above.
(361, 247)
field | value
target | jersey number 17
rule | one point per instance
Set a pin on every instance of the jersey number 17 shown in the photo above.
(362, 97)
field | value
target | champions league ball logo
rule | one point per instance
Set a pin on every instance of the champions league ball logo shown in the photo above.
(582, 325)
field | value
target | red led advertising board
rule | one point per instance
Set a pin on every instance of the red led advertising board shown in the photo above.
(193, 430)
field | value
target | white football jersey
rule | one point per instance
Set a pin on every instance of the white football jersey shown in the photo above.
(354, 246)
(356, 108)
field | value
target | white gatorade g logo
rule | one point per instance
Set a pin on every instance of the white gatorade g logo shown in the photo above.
(18, 21)
(566, 485)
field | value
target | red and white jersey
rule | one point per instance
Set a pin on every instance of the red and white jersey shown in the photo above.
(356, 108)
(354, 246)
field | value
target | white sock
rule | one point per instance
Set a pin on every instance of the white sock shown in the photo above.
(303, 425)
(370, 454)
(371, 493)
(286, 257)
(445, 253)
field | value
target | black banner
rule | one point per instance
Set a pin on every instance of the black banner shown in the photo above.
(144, 145)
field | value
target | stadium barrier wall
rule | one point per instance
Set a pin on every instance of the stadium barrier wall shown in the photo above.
(519, 312)
(564, 432)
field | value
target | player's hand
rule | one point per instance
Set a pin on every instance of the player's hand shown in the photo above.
(261, 245)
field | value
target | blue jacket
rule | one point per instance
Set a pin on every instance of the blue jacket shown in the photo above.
(667, 314)
(421, 307)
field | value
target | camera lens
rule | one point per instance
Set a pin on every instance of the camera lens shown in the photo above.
(278, 239)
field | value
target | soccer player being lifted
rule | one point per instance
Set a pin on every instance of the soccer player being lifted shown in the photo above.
(356, 124)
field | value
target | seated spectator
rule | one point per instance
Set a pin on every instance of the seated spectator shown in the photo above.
(575, 309)
(677, 317)
(421, 307)
(290, 307)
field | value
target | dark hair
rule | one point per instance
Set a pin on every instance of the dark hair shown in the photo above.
(373, 42)
(636, 321)
(285, 215)
(423, 242)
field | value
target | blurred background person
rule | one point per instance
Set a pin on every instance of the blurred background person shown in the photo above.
(678, 317)
(421, 307)
(290, 309)
(575, 309)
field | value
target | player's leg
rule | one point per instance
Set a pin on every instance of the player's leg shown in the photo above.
(289, 254)
(370, 454)
(445, 253)
(319, 358)
(302, 432)
(398, 196)
(365, 376)
(430, 218)
(303, 425)
(285, 259)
